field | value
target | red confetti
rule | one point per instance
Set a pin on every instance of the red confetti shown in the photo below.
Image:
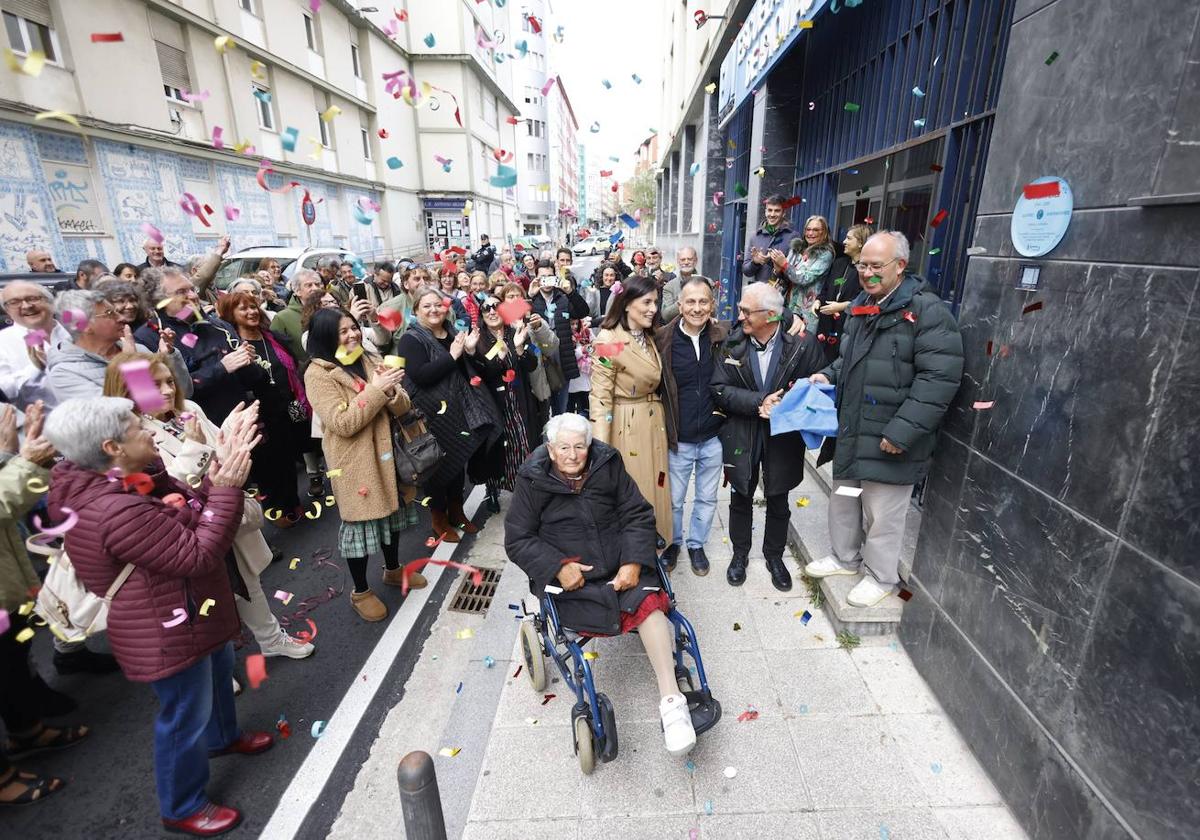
(306, 636)
(513, 121)
(362, 491)
(513, 310)
(608, 350)
(905, 595)
(546, 698)
(870, 220)
(285, 728)
(604, 173)
(107, 37)
(910, 316)
(749, 714)
(1033, 307)
(662, 479)
(1047, 190)
(981, 405)
(941, 216)
(936, 167)
(140, 482)
(383, 134)
(509, 375)
(864, 310)
(256, 669)
(417, 565)
(390, 319)
(175, 500)
(517, 672)
(475, 380)
(989, 348)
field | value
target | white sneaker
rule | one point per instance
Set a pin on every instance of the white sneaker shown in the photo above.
(285, 645)
(867, 593)
(827, 567)
(677, 724)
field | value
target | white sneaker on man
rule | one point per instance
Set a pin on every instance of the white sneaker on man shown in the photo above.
(826, 567)
(677, 724)
(285, 645)
(867, 593)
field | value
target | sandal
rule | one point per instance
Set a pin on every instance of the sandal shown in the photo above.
(20, 746)
(35, 787)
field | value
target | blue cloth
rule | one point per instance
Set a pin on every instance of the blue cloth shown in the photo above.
(705, 458)
(809, 410)
(195, 714)
(693, 378)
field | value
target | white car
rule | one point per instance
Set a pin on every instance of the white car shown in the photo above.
(289, 257)
(591, 246)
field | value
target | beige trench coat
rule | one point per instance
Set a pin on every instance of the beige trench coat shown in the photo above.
(627, 414)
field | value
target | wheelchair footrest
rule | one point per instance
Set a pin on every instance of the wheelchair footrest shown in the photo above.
(705, 709)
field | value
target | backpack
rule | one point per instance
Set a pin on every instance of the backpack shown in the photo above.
(70, 611)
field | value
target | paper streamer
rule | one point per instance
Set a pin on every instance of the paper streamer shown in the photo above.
(417, 565)
(265, 169)
(180, 616)
(190, 205)
(58, 530)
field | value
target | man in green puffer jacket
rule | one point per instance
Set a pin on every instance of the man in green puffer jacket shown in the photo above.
(900, 366)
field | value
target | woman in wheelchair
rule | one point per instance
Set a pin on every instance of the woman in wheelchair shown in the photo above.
(579, 524)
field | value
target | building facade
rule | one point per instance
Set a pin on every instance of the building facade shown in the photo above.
(564, 164)
(528, 23)
(198, 94)
(1055, 582)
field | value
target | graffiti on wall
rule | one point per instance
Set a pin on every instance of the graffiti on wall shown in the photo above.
(75, 205)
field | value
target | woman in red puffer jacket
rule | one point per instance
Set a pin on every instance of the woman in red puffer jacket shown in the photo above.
(171, 621)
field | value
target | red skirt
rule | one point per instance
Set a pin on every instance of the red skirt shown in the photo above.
(652, 602)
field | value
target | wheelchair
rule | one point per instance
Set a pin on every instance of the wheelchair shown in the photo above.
(593, 722)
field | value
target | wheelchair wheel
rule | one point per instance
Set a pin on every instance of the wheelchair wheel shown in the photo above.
(583, 745)
(531, 649)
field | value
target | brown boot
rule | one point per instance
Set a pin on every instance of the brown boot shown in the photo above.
(441, 526)
(458, 518)
(395, 577)
(368, 606)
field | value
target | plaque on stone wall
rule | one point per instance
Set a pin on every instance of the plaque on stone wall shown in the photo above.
(1042, 215)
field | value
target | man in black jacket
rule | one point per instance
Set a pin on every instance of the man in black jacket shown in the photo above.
(554, 307)
(900, 366)
(765, 258)
(485, 256)
(760, 363)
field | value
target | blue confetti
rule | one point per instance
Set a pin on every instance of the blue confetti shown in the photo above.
(918, 92)
(804, 619)
(935, 767)
(708, 809)
(489, 662)
(459, 689)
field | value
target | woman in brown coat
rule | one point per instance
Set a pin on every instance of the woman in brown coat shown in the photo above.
(354, 393)
(626, 411)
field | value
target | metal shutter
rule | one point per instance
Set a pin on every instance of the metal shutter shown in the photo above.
(37, 11)
(174, 66)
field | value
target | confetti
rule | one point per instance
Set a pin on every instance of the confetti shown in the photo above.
(1033, 307)
(852, 492)
(489, 662)
(736, 626)
(904, 594)
(256, 669)
(57, 115)
(208, 604)
(31, 66)
(294, 563)
(803, 502)
(25, 635)
(805, 616)
(330, 113)
(591, 655)
(918, 92)
(141, 386)
(285, 597)
(283, 727)
(465, 633)
(710, 88)
(449, 752)
(5, 621)
(730, 772)
(933, 252)
(315, 513)
(546, 698)
(223, 43)
(140, 482)
(939, 218)
(852, 107)
(288, 138)
(919, 123)
(318, 728)
(107, 37)
(1053, 57)
(180, 616)
(749, 714)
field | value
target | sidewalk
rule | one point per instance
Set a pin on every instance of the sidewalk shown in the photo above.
(847, 744)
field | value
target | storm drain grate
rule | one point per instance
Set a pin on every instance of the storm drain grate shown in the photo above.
(475, 599)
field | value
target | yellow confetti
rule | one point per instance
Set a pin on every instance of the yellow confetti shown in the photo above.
(224, 43)
(330, 501)
(442, 409)
(806, 24)
(208, 604)
(465, 633)
(25, 635)
(450, 752)
(31, 66)
(425, 502)
(330, 114)
(315, 513)
(591, 655)
(498, 346)
(25, 609)
(57, 115)
(710, 88)
(295, 562)
(36, 485)
(269, 511)
(348, 357)
(256, 68)
(468, 206)
(633, 454)
(242, 146)
(803, 501)
(333, 473)
(393, 361)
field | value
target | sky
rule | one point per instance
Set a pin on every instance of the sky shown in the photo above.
(611, 39)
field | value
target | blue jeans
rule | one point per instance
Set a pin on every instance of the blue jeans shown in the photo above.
(558, 401)
(195, 714)
(705, 459)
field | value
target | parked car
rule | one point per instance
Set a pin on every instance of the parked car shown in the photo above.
(289, 257)
(591, 246)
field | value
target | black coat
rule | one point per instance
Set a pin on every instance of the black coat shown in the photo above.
(606, 525)
(493, 371)
(841, 283)
(897, 374)
(746, 438)
(559, 319)
(664, 338)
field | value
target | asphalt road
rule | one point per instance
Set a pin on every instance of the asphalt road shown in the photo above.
(110, 776)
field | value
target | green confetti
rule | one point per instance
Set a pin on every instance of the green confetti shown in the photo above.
(934, 251)
(1053, 57)
(852, 107)
(739, 190)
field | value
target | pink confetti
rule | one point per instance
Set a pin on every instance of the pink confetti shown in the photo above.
(315, 5)
(232, 213)
(35, 338)
(152, 232)
(188, 340)
(58, 530)
(195, 97)
(142, 389)
(5, 622)
(550, 82)
(190, 205)
(180, 617)
(256, 670)
(983, 406)
(285, 597)
(218, 137)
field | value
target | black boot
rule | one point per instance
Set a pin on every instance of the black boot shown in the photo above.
(671, 556)
(493, 501)
(699, 561)
(781, 579)
(736, 573)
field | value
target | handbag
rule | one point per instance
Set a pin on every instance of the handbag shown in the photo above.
(415, 451)
(70, 611)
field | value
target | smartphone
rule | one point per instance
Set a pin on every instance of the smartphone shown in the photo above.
(360, 291)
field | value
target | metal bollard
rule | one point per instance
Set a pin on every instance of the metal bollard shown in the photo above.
(420, 801)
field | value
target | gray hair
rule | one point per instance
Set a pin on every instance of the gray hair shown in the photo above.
(152, 281)
(293, 282)
(78, 428)
(82, 300)
(114, 288)
(191, 264)
(900, 250)
(680, 252)
(42, 290)
(768, 296)
(246, 281)
(329, 262)
(566, 423)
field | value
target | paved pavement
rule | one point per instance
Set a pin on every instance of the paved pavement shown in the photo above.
(847, 743)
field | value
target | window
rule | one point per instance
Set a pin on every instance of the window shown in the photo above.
(310, 33)
(326, 135)
(172, 64)
(366, 142)
(490, 110)
(535, 128)
(262, 98)
(247, 6)
(532, 95)
(354, 61)
(30, 29)
(529, 160)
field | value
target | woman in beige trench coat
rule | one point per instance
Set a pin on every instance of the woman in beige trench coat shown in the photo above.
(625, 408)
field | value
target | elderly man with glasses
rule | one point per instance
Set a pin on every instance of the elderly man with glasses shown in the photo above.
(23, 345)
(900, 366)
(759, 363)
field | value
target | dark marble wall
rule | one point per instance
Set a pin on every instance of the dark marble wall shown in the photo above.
(1058, 566)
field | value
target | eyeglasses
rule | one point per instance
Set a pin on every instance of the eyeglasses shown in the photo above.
(13, 303)
(751, 311)
(874, 267)
(110, 314)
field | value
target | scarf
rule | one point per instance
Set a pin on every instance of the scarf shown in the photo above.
(294, 380)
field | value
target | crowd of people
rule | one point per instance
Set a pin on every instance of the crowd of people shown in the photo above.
(265, 391)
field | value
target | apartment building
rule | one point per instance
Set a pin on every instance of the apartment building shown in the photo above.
(196, 93)
(564, 164)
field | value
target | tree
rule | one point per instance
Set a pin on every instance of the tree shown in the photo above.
(641, 193)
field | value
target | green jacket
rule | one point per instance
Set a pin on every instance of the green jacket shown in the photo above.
(896, 375)
(286, 326)
(16, 499)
